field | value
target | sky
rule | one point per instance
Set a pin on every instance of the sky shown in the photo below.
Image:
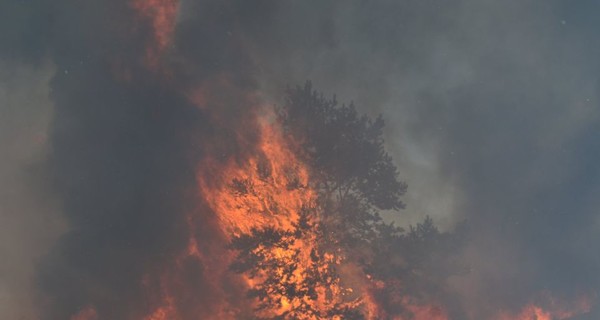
(491, 111)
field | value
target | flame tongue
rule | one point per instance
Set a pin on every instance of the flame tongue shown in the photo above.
(269, 190)
(269, 197)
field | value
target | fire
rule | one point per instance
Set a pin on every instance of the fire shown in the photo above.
(266, 218)
(555, 311)
(270, 194)
(161, 15)
(413, 309)
(267, 193)
(269, 240)
(259, 193)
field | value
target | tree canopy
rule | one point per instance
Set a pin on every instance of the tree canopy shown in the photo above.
(354, 179)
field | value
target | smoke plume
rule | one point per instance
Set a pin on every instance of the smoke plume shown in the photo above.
(110, 107)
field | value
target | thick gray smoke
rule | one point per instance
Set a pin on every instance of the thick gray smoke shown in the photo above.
(491, 110)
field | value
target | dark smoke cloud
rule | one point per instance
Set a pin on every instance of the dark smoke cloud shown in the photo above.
(120, 160)
(124, 145)
(491, 111)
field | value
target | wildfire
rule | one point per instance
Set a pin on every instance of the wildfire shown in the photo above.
(269, 240)
(270, 189)
(270, 193)
(266, 193)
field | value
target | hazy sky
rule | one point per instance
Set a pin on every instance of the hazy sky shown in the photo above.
(491, 107)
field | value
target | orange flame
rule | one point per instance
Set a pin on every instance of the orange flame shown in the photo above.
(270, 189)
(270, 201)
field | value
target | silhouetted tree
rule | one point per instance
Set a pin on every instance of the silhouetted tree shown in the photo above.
(355, 176)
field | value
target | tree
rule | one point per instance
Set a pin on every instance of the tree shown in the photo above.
(353, 173)
(354, 179)
(290, 286)
(416, 264)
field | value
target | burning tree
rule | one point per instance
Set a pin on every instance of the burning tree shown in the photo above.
(323, 261)
(290, 201)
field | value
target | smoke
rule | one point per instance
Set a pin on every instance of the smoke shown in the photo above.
(29, 218)
(124, 142)
(490, 108)
(119, 163)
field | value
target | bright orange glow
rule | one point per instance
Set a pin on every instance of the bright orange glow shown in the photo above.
(270, 189)
(413, 309)
(269, 200)
(266, 186)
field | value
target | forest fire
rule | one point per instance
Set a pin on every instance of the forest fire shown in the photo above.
(268, 210)
(269, 196)
(285, 221)
(269, 189)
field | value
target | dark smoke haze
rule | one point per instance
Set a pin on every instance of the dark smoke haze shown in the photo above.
(491, 112)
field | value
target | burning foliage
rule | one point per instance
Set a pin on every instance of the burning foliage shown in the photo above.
(302, 215)
(215, 205)
(160, 15)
